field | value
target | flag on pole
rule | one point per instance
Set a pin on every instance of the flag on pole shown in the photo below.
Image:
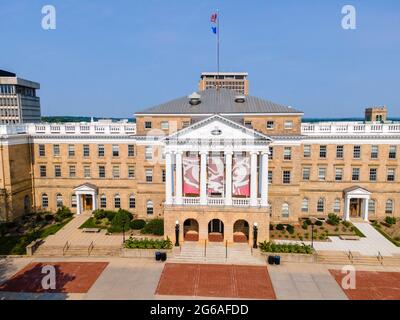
(214, 20)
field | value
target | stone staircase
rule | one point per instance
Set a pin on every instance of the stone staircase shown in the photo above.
(77, 251)
(343, 258)
(215, 253)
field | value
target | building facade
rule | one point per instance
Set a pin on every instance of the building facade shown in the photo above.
(215, 163)
(236, 81)
(18, 100)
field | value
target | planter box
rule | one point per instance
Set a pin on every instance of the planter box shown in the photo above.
(143, 253)
(291, 257)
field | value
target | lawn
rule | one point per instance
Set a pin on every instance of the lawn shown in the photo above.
(302, 230)
(390, 231)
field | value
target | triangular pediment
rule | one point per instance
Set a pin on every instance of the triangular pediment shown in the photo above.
(357, 191)
(86, 187)
(218, 127)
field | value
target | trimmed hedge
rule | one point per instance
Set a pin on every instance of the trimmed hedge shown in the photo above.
(284, 248)
(155, 226)
(137, 224)
(148, 244)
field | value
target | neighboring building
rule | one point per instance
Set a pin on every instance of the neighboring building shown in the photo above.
(18, 100)
(214, 162)
(236, 81)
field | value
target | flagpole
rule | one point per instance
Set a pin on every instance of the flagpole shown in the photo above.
(218, 17)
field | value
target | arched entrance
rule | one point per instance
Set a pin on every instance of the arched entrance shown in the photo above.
(241, 231)
(215, 231)
(191, 230)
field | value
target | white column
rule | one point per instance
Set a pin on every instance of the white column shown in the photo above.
(347, 208)
(78, 203)
(178, 195)
(365, 209)
(228, 178)
(94, 196)
(168, 178)
(264, 179)
(203, 178)
(253, 180)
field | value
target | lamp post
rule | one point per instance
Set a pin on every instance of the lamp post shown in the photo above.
(255, 233)
(176, 233)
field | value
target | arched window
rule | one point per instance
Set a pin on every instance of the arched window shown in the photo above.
(73, 201)
(389, 207)
(336, 205)
(321, 205)
(371, 206)
(149, 207)
(59, 200)
(117, 201)
(304, 205)
(45, 200)
(285, 210)
(132, 201)
(103, 201)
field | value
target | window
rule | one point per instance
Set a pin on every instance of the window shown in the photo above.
(339, 152)
(338, 174)
(321, 205)
(42, 150)
(270, 177)
(307, 151)
(357, 152)
(285, 210)
(115, 150)
(45, 200)
(286, 176)
(164, 125)
(322, 151)
(71, 150)
(57, 171)
(355, 174)
(149, 152)
(117, 201)
(59, 200)
(163, 176)
(131, 150)
(103, 201)
(73, 201)
(392, 152)
(288, 125)
(371, 206)
(321, 173)
(389, 207)
(72, 171)
(42, 170)
(247, 124)
(391, 174)
(373, 174)
(102, 171)
(287, 153)
(147, 125)
(270, 125)
(86, 150)
(149, 207)
(149, 175)
(56, 150)
(100, 150)
(131, 172)
(304, 205)
(271, 153)
(86, 171)
(374, 152)
(115, 172)
(132, 201)
(185, 124)
(306, 173)
(336, 205)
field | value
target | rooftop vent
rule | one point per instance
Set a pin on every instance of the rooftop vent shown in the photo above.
(240, 99)
(194, 99)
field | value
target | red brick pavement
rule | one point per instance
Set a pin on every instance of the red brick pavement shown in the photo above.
(71, 277)
(224, 281)
(372, 285)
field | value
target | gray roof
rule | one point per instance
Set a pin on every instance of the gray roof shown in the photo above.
(220, 101)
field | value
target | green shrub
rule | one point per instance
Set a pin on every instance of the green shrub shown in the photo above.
(304, 225)
(137, 224)
(280, 227)
(49, 217)
(319, 223)
(155, 226)
(346, 224)
(284, 248)
(271, 227)
(110, 215)
(148, 244)
(121, 221)
(63, 213)
(290, 229)
(307, 222)
(99, 214)
(333, 219)
(390, 220)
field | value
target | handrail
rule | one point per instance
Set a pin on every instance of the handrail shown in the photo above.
(226, 249)
(380, 257)
(66, 247)
(350, 256)
(205, 248)
(91, 246)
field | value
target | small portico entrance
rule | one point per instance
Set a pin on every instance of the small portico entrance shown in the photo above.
(356, 203)
(86, 195)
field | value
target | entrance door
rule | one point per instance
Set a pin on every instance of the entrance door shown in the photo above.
(355, 207)
(88, 202)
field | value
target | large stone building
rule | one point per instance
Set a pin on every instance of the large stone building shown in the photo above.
(18, 100)
(236, 81)
(214, 162)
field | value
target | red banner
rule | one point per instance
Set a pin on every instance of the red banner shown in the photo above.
(191, 175)
(216, 175)
(241, 176)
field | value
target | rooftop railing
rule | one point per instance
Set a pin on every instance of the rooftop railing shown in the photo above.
(349, 128)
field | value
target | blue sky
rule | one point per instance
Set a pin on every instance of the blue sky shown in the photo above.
(112, 58)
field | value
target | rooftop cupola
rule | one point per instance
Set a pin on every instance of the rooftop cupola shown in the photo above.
(194, 99)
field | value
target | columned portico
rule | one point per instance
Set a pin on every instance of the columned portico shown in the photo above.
(86, 198)
(356, 202)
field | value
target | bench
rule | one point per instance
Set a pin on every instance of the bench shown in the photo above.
(91, 230)
(346, 237)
